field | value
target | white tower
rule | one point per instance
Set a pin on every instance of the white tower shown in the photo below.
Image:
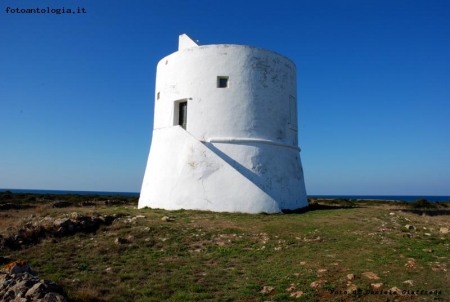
(225, 132)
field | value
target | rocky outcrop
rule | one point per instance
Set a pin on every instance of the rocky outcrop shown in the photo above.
(19, 283)
(38, 228)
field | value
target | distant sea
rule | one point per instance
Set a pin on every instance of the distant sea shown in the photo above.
(408, 198)
(71, 192)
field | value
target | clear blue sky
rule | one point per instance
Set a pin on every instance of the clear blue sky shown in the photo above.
(76, 90)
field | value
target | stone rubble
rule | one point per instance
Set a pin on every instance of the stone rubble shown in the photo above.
(409, 282)
(33, 231)
(167, 219)
(19, 283)
(267, 290)
(410, 227)
(444, 230)
(318, 284)
(371, 276)
(376, 286)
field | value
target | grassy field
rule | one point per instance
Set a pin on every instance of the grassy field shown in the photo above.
(335, 251)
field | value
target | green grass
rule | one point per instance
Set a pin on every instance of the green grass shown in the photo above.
(205, 256)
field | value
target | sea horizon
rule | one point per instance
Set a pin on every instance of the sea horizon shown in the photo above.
(39, 191)
(408, 198)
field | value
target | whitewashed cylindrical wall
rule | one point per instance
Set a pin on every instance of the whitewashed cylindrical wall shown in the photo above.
(242, 106)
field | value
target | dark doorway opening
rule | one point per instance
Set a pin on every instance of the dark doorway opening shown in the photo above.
(182, 114)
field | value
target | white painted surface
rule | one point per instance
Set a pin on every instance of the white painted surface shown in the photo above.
(182, 173)
(239, 152)
(184, 41)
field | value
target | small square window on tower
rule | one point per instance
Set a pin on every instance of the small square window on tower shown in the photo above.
(222, 82)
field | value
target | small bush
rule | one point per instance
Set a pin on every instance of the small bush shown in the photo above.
(443, 204)
(422, 203)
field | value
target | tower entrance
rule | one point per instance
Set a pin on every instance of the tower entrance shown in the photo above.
(182, 114)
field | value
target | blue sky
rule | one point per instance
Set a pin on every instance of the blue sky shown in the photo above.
(76, 90)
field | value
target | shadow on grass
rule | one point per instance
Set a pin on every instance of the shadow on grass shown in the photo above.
(5, 260)
(12, 206)
(431, 212)
(319, 207)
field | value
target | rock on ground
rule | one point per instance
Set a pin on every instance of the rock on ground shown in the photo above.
(18, 282)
